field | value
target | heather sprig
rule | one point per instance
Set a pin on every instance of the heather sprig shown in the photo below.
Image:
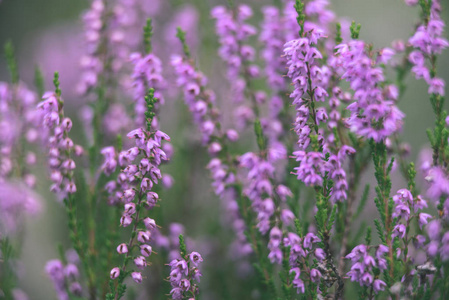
(139, 197)
(185, 273)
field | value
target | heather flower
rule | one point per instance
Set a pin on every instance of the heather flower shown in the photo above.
(201, 103)
(59, 145)
(147, 73)
(137, 277)
(184, 274)
(372, 116)
(363, 266)
(147, 149)
(115, 272)
(64, 277)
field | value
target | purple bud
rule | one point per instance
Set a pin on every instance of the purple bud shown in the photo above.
(315, 275)
(76, 289)
(232, 135)
(115, 272)
(422, 219)
(122, 248)
(149, 223)
(143, 236)
(125, 220)
(130, 209)
(379, 285)
(137, 277)
(146, 250)
(140, 262)
(320, 254)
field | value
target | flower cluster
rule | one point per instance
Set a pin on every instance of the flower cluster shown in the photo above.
(201, 103)
(147, 74)
(428, 41)
(60, 145)
(184, 275)
(140, 178)
(364, 266)
(372, 114)
(90, 63)
(301, 250)
(273, 36)
(438, 244)
(65, 277)
(233, 33)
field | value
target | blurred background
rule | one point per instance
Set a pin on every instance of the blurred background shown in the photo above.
(48, 33)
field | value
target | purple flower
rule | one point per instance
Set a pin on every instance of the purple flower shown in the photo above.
(422, 219)
(122, 248)
(379, 285)
(115, 272)
(137, 277)
(315, 275)
(399, 231)
(195, 258)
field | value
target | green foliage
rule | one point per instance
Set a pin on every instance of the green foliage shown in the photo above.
(338, 38)
(39, 81)
(150, 113)
(261, 139)
(379, 230)
(298, 227)
(363, 201)
(355, 30)
(182, 246)
(147, 34)
(11, 62)
(7, 273)
(299, 7)
(368, 236)
(181, 35)
(331, 221)
(56, 84)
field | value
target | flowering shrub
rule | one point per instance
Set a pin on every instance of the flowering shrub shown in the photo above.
(313, 108)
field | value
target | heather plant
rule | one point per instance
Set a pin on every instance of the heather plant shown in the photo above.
(300, 140)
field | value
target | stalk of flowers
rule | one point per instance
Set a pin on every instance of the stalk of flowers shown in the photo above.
(185, 273)
(18, 201)
(65, 277)
(103, 67)
(18, 122)
(201, 103)
(139, 196)
(224, 171)
(272, 35)
(233, 33)
(372, 114)
(366, 268)
(407, 209)
(90, 63)
(311, 81)
(319, 167)
(428, 42)
(60, 146)
(317, 16)
(60, 150)
(147, 74)
(260, 185)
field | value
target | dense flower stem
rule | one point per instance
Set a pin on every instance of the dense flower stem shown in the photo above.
(131, 239)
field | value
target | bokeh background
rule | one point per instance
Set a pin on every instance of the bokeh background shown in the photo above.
(48, 33)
